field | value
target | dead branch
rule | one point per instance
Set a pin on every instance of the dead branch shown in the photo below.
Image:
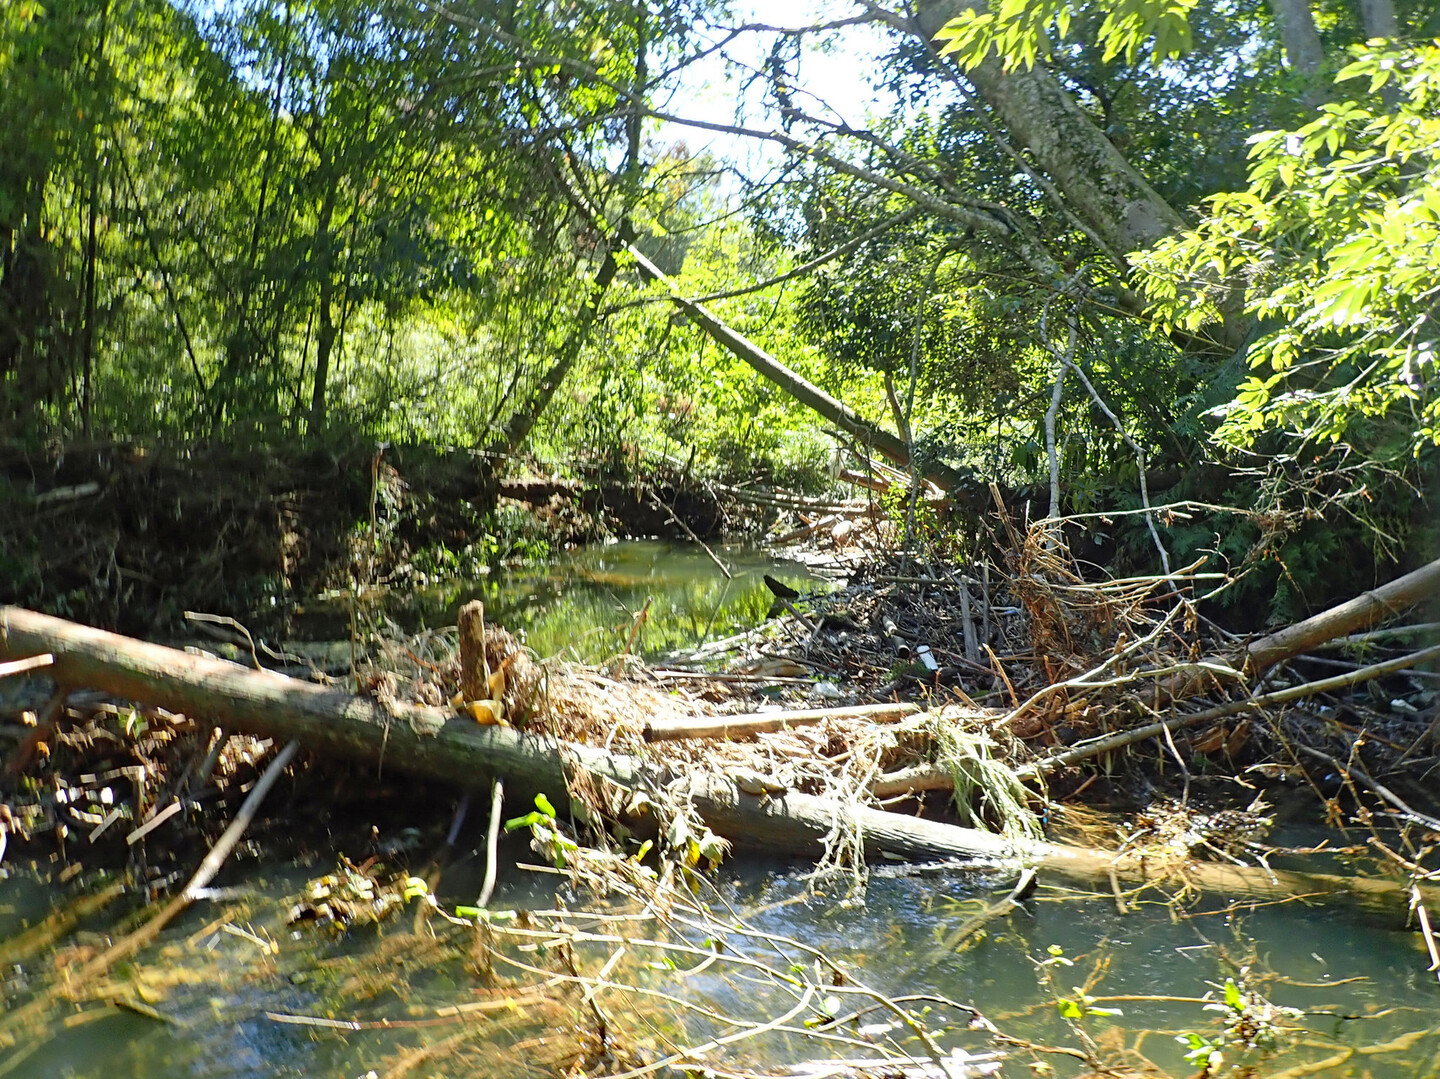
(744, 726)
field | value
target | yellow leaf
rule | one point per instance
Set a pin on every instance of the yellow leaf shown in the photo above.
(486, 713)
(497, 683)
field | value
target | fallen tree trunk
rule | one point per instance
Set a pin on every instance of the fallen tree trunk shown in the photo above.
(430, 742)
(959, 482)
(1362, 612)
(799, 824)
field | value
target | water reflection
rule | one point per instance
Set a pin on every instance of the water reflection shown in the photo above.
(586, 604)
(1359, 985)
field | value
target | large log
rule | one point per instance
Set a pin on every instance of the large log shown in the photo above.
(431, 743)
(1359, 613)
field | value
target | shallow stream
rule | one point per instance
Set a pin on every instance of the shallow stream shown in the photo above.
(202, 1001)
(1369, 1006)
(584, 604)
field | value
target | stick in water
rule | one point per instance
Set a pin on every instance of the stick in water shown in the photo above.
(492, 844)
(132, 943)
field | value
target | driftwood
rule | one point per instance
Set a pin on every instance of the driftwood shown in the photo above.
(743, 726)
(1098, 746)
(932, 777)
(432, 743)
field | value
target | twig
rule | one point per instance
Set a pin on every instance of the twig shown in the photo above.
(132, 943)
(492, 843)
(675, 518)
(20, 666)
(230, 623)
(154, 822)
(739, 726)
(1023, 887)
(1424, 918)
(1359, 776)
(1139, 460)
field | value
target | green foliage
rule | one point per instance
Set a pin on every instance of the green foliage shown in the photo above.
(545, 832)
(1252, 1030)
(1336, 247)
(1020, 31)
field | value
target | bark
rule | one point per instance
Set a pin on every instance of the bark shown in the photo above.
(428, 742)
(1099, 185)
(1107, 192)
(1359, 613)
(1378, 19)
(1303, 51)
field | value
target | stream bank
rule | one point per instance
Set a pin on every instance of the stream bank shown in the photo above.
(129, 536)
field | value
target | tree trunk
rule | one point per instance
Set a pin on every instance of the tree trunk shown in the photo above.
(1378, 19)
(1303, 51)
(1103, 189)
(962, 485)
(1106, 191)
(325, 335)
(1379, 22)
(429, 742)
(519, 426)
(1359, 613)
(87, 331)
(518, 429)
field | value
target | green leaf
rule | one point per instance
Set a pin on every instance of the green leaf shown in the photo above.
(1233, 998)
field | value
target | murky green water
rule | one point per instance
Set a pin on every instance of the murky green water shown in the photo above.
(1360, 984)
(586, 604)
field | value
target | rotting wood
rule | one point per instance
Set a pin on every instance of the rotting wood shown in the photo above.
(751, 723)
(432, 743)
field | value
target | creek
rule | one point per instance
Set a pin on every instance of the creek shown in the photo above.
(584, 604)
(1359, 984)
(219, 973)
